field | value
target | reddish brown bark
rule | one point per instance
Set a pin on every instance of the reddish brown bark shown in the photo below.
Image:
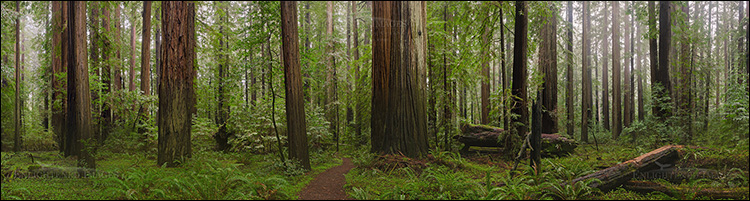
(176, 93)
(295, 104)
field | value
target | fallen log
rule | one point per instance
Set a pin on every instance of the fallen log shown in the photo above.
(738, 193)
(488, 136)
(614, 176)
(679, 175)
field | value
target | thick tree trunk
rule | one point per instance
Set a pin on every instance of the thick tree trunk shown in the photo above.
(662, 72)
(548, 63)
(616, 95)
(146, 56)
(78, 88)
(331, 105)
(399, 124)
(519, 69)
(653, 52)
(295, 115)
(59, 66)
(586, 74)
(176, 93)
(95, 55)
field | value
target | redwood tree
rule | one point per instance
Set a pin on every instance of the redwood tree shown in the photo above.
(616, 96)
(399, 121)
(518, 88)
(586, 73)
(548, 63)
(662, 96)
(176, 92)
(79, 97)
(59, 67)
(295, 104)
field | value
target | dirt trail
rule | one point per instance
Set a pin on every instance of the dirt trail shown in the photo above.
(328, 185)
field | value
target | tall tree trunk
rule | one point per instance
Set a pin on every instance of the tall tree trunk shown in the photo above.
(146, 56)
(586, 73)
(94, 55)
(59, 65)
(605, 72)
(503, 74)
(331, 105)
(662, 72)
(131, 73)
(519, 69)
(359, 82)
(117, 81)
(399, 124)
(548, 63)
(653, 51)
(447, 88)
(616, 95)
(486, 34)
(569, 72)
(176, 93)
(640, 51)
(685, 81)
(706, 95)
(17, 128)
(628, 54)
(222, 136)
(295, 115)
(78, 88)
(106, 76)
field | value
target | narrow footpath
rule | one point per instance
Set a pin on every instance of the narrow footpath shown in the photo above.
(328, 185)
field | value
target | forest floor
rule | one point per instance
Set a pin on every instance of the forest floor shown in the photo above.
(352, 175)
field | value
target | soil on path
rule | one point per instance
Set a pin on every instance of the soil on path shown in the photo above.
(328, 185)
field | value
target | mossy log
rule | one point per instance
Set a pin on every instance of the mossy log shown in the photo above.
(614, 176)
(739, 193)
(488, 136)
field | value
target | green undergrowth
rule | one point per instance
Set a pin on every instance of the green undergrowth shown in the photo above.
(207, 175)
(477, 180)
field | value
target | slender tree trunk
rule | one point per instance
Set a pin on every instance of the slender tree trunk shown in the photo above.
(586, 73)
(685, 81)
(399, 124)
(359, 82)
(78, 88)
(706, 95)
(131, 85)
(627, 53)
(519, 69)
(106, 76)
(548, 63)
(503, 74)
(616, 95)
(176, 93)
(486, 34)
(17, 128)
(117, 81)
(146, 56)
(605, 73)
(640, 51)
(222, 136)
(331, 105)
(569, 72)
(447, 88)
